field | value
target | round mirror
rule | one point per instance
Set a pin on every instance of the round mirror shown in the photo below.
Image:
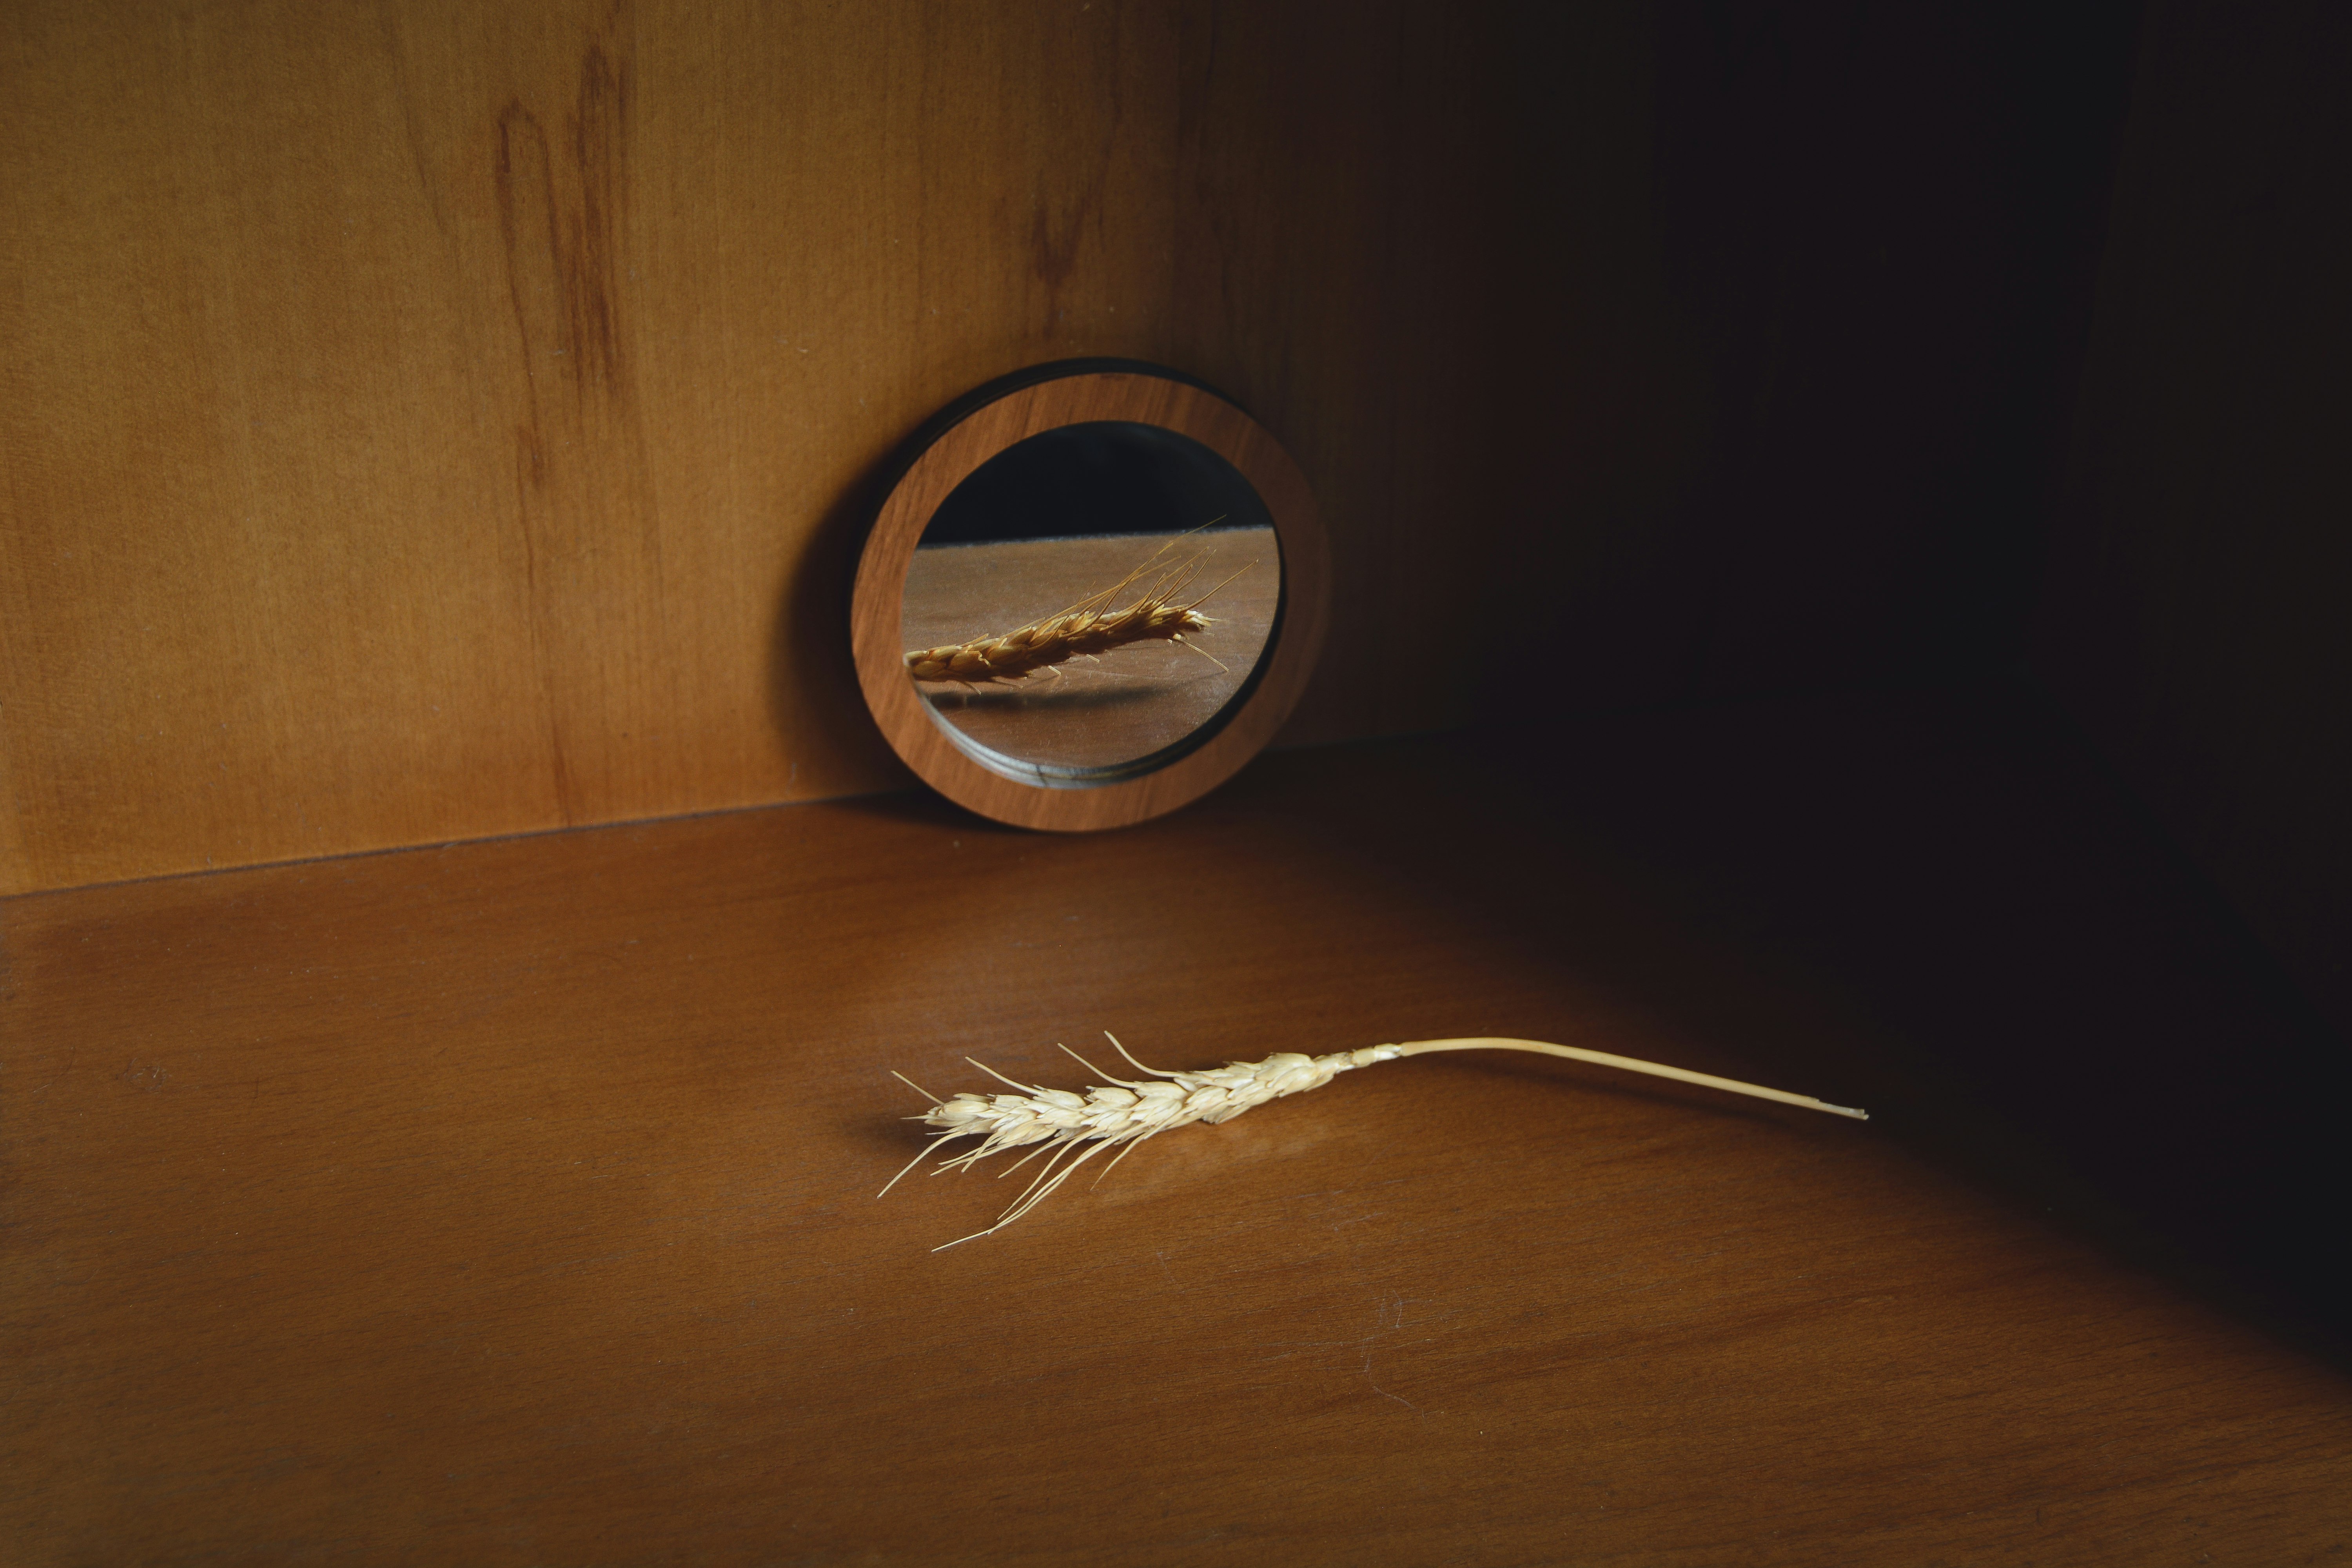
(1091, 600)
(1090, 593)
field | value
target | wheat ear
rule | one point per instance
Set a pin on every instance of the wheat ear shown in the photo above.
(1128, 1111)
(1090, 626)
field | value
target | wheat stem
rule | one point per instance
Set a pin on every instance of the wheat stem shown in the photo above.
(1127, 1111)
(1631, 1063)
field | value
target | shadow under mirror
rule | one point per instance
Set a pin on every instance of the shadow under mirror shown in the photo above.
(1093, 601)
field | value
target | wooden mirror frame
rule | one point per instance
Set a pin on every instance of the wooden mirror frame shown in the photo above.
(1000, 415)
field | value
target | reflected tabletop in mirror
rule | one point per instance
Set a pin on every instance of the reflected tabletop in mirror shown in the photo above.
(1090, 591)
(1092, 599)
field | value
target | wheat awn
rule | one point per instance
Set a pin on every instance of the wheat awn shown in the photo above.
(1126, 1113)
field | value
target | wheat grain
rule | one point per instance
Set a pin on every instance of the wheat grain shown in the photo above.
(1126, 1113)
(1089, 628)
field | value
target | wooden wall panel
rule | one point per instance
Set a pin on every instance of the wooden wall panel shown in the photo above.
(2194, 616)
(1801, 303)
(430, 421)
(1345, 228)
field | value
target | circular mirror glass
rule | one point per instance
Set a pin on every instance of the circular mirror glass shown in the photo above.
(1092, 601)
(1089, 593)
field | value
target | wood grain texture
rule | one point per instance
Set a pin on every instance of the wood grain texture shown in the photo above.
(1345, 215)
(427, 421)
(513, 1202)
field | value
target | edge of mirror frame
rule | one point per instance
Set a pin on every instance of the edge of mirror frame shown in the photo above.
(975, 429)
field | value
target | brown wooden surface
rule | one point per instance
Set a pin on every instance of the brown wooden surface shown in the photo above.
(1129, 703)
(513, 1202)
(878, 608)
(439, 420)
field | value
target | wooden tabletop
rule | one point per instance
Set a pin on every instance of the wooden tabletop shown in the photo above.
(514, 1202)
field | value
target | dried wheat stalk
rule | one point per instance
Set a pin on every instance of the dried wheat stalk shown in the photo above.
(1089, 628)
(1129, 1112)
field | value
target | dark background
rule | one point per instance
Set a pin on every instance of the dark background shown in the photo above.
(1104, 478)
(1976, 372)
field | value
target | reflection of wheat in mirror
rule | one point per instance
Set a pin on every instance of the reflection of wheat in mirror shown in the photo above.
(1088, 629)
